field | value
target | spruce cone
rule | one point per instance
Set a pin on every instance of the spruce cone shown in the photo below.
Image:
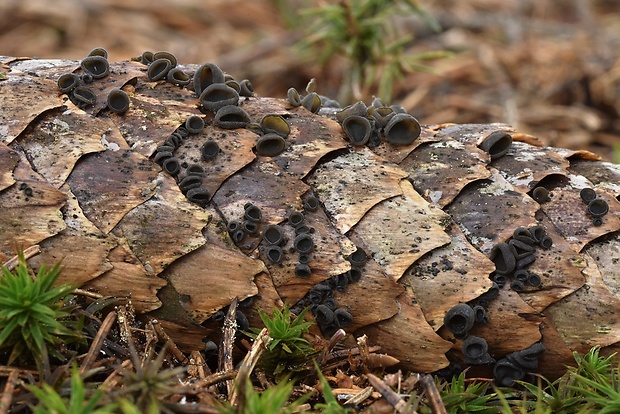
(177, 205)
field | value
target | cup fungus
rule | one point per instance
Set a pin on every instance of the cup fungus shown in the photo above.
(189, 182)
(295, 218)
(357, 129)
(402, 129)
(587, 194)
(521, 275)
(546, 242)
(355, 274)
(243, 324)
(324, 315)
(97, 66)
(237, 236)
(177, 77)
(250, 227)
(342, 280)
(246, 89)
(274, 253)
(475, 350)
(506, 373)
(159, 69)
(182, 131)
(357, 109)
(496, 144)
(206, 75)
(231, 117)
(517, 285)
(118, 101)
(293, 97)
(304, 258)
(270, 145)
(504, 258)
(233, 84)
(303, 243)
(209, 150)
(87, 78)
(541, 195)
(343, 318)
(527, 358)
(194, 124)
(174, 140)
(195, 169)
(272, 123)
(311, 203)
(162, 156)
(523, 235)
(382, 116)
(460, 319)
(533, 279)
(99, 51)
(252, 213)
(499, 279)
(233, 226)
(171, 165)
(598, 207)
(358, 257)
(312, 102)
(217, 95)
(520, 249)
(273, 234)
(166, 55)
(481, 315)
(67, 82)
(146, 58)
(84, 96)
(331, 303)
(303, 271)
(200, 196)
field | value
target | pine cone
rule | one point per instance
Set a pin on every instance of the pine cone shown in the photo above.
(387, 235)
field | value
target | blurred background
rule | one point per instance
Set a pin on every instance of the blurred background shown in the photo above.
(550, 68)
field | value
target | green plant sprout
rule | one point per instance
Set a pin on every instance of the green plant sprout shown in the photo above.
(366, 34)
(33, 318)
(330, 406)
(79, 402)
(288, 349)
(461, 397)
(272, 400)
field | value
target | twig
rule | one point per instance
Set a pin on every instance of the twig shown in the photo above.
(333, 341)
(28, 253)
(226, 350)
(215, 378)
(362, 344)
(196, 366)
(7, 394)
(394, 399)
(237, 398)
(432, 393)
(87, 293)
(95, 347)
(171, 346)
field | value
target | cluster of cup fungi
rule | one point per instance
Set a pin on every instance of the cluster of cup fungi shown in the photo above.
(363, 125)
(597, 207)
(94, 66)
(367, 125)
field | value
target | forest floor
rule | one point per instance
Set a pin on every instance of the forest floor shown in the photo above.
(550, 68)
